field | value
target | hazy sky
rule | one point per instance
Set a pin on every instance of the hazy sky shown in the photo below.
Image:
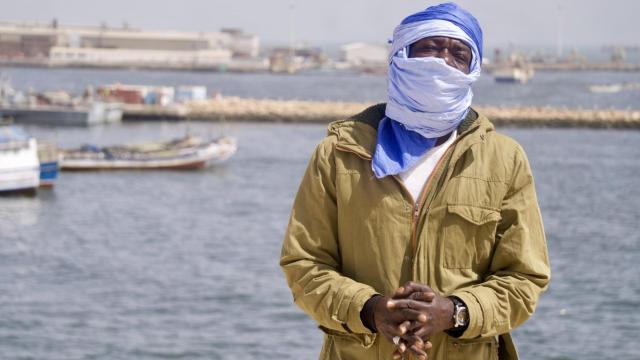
(322, 22)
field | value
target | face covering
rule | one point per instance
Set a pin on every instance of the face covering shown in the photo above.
(426, 96)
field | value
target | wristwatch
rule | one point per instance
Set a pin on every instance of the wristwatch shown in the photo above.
(460, 313)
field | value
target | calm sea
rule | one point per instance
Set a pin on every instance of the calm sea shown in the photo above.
(184, 265)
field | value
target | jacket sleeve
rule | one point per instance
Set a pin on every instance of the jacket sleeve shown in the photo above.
(519, 270)
(310, 255)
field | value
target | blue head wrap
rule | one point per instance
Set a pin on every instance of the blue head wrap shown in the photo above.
(427, 98)
(452, 13)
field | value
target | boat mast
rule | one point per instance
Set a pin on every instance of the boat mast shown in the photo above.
(292, 9)
(559, 32)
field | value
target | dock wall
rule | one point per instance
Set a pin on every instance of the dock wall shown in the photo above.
(298, 111)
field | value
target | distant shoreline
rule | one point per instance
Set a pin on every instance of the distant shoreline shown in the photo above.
(298, 111)
(258, 66)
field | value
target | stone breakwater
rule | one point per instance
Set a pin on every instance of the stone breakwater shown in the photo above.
(561, 117)
(242, 109)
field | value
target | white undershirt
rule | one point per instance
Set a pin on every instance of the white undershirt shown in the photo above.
(416, 176)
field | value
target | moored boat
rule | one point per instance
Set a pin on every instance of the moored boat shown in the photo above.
(519, 75)
(185, 153)
(93, 113)
(613, 88)
(56, 108)
(19, 165)
(48, 157)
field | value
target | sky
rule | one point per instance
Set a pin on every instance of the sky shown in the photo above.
(578, 23)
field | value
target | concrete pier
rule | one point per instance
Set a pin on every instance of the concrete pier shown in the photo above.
(561, 117)
(242, 109)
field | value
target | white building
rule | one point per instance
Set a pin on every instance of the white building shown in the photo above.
(66, 56)
(361, 54)
(241, 44)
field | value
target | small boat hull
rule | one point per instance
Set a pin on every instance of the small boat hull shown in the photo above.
(513, 75)
(196, 156)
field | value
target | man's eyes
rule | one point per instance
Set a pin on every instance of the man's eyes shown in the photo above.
(460, 53)
(461, 56)
(427, 48)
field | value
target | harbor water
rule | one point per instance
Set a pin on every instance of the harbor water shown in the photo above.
(184, 265)
(558, 89)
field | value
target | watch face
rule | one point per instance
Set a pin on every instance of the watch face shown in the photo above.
(462, 316)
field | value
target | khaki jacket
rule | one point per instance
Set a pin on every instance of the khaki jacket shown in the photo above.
(476, 233)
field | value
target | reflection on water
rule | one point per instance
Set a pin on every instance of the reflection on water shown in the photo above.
(21, 210)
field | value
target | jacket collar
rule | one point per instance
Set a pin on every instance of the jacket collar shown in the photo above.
(358, 134)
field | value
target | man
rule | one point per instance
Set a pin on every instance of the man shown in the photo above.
(416, 228)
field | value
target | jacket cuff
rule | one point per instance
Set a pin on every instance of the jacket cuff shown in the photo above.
(348, 316)
(480, 312)
(351, 314)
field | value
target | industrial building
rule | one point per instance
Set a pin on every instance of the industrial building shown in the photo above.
(113, 47)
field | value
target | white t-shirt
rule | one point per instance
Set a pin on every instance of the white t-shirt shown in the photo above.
(416, 176)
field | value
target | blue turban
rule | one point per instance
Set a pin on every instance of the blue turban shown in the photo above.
(455, 14)
(427, 99)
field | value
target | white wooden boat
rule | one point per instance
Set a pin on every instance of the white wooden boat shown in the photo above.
(19, 165)
(513, 75)
(185, 153)
(613, 88)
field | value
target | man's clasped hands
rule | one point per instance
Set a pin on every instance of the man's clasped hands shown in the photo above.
(411, 317)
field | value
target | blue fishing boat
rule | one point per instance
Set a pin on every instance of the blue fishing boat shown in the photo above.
(48, 157)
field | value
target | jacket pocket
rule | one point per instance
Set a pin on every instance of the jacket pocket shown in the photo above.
(480, 349)
(468, 236)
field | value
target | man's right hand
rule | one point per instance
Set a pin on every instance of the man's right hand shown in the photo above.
(392, 322)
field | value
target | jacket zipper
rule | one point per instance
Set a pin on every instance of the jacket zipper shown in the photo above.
(421, 200)
(417, 210)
